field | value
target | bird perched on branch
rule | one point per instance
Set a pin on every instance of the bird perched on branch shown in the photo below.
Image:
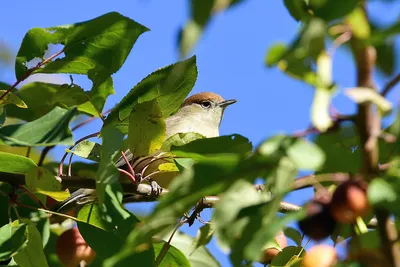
(200, 113)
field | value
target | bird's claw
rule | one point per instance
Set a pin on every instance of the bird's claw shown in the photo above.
(155, 188)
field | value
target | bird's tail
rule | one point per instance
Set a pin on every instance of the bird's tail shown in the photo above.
(77, 199)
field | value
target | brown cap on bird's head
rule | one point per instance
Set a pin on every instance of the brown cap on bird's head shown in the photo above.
(207, 96)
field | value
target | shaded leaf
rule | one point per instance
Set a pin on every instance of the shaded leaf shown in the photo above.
(206, 147)
(146, 129)
(51, 129)
(332, 9)
(203, 237)
(15, 163)
(31, 253)
(341, 153)
(12, 237)
(107, 172)
(297, 9)
(201, 257)
(173, 257)
(43, 181)
(293, 234)
(169, 85)
(289, 256)
(228, 227)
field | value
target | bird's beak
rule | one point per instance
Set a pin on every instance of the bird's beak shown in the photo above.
(227, 103)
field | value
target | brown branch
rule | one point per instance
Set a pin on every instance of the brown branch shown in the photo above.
(390, 85)
(369, 126)
(30, 71)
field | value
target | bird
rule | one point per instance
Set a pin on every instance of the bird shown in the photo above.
(200, 113)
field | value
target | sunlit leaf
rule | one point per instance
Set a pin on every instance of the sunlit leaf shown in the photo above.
(88, 150)
(96, 47)
(146, 129)
(362, 95)
(15, 164)
(11, 98)
(169, 86)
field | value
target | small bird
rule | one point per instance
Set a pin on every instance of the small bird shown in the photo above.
(200, 113)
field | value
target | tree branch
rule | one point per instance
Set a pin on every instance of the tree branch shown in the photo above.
(390, 85)
(369, 125)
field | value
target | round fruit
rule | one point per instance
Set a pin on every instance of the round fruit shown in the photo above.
(349, 201)
(319, 223)
(72, 249)
(321, 256)
(270, 253)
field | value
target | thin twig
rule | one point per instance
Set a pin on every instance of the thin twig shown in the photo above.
(390, 85)
(60, 167)
(30, 71)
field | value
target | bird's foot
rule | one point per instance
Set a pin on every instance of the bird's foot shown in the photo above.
(155, 188)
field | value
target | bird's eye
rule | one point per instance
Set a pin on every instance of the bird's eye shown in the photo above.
(206, 104)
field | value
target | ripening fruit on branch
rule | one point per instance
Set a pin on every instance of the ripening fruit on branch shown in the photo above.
(321, 256)
(72, 249)
(319, 223)
(349, 201)
(270, 253)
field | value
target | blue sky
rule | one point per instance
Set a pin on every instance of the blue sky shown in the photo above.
(230, 59)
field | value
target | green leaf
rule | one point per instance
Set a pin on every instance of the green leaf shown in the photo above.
(3, 116)
(384, 192)
(146, 129)
(43, 181)
(97, 48)
(294, 235)
(38, 96)
(51, 129)
(12, 237)
(341, 154)
(31, 253)
(332, 9)
(228, 227)
(297, 9)
(362, 95)
(203, 237)
(88, 150)
(297, 59)
(180, 139)
(173, 257)
(359, 24)
(15, 163)
(169, 86)
(107, 172)
(288, 256)
(304, 154)
(95, 224)
(143, 257)
(11, 98)
(201, 257)
(207, 147)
